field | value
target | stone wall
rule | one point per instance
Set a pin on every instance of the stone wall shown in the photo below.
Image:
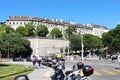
(43, 47)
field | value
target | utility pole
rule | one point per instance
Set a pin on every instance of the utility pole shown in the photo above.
(82, 47)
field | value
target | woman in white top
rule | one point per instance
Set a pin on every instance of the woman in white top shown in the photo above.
(39, 60)
(119, 59)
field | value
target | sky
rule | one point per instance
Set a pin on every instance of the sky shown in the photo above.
(101, 12)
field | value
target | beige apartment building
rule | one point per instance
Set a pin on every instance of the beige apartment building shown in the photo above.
(15, 21)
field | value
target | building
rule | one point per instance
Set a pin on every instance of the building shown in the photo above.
(15, 21)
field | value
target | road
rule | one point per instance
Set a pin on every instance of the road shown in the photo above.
(104, 70)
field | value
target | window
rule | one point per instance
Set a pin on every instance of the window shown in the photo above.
(9, 22)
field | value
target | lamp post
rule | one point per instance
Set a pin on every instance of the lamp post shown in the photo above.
(36, 45)
(82, 47)
(36, 53)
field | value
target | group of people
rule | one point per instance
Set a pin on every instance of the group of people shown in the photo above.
(56, 61)
(36, 60)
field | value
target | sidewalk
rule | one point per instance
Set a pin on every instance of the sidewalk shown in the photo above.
(42, 73)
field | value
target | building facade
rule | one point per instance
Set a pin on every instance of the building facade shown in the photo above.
(15, 21)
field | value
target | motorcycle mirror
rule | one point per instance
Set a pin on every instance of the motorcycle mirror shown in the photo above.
(88, 70)
(21, 77)
(73, 67)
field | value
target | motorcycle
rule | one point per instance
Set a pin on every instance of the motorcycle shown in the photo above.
(75, 75)
(57, 74)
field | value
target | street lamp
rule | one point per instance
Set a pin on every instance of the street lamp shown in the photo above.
(82, 46)
(36, 45)
(36, 42)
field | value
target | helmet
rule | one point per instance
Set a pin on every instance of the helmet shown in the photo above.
(88, 70)
(80, 65)
(54, 61)
(58, 55)
(21, 77)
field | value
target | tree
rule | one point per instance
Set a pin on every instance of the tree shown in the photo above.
(21, 30)
(75, 42)
(71, 30)
(56, 33)
(42, 30)
(9, 29)
(89, 41)
(111, 39)
(2, 28)
(15, 45)
(6, 29)
(30, 29)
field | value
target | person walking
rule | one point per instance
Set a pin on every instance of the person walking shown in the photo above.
(33, 59)
(39, 60)
(118, 60)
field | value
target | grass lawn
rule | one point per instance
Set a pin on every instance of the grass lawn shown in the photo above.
(9, 71)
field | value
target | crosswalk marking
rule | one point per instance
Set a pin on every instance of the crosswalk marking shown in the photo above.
(116, 70)
(97, 73)
(109, 72)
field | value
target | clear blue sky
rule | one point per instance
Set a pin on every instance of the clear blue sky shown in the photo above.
(104, 12)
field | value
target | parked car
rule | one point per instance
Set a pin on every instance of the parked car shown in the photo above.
(28, 59)
(18, 59)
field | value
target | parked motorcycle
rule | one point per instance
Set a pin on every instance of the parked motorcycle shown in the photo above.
(57, 74)
(70, 75)
(75, 75)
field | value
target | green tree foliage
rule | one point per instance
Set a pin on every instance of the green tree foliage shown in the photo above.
(75, 42)
(30, 29)
(71, 30)
(56, 33)
(2, 28)
(111, 39)
(42, 30)
(21, 30)
(15, 45)
(6, 29)
(89, 41)
(9, 29)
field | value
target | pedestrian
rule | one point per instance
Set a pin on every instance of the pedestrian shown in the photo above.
(118, 60)
(39, 60)
(33, 59)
